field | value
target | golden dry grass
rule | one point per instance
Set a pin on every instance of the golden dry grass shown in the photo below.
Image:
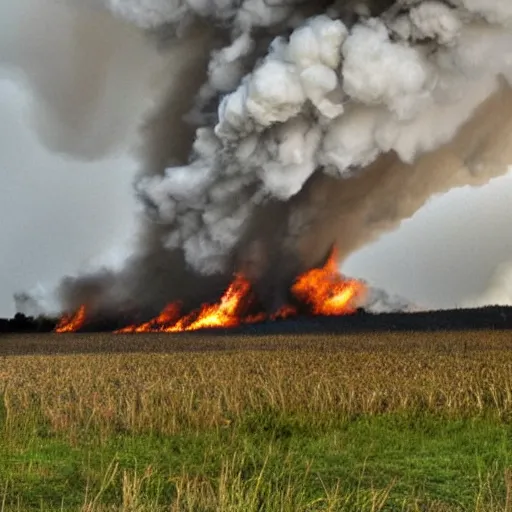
(210, 382)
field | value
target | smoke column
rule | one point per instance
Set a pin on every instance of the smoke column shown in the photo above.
(285, 126)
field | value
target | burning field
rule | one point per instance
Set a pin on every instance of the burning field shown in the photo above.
(320, 301)
(323, 291)
(269, 132)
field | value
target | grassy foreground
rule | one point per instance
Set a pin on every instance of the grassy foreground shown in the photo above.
(406, 422)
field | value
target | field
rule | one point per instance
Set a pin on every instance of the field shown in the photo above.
(366, 422)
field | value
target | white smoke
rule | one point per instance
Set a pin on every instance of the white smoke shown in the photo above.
(328, 98)
(379, 301)
(77, 58)
(283, 126)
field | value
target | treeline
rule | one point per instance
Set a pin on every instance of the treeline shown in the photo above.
(490, 317)
(21, 323)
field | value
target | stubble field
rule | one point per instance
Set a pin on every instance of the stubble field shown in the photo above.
(368, 422)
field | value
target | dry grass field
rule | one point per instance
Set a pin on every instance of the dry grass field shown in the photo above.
(384, 421)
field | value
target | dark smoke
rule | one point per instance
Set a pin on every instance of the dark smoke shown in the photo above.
(287, 127)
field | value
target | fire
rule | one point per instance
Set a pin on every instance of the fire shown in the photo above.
(223, 314)
(72, 323)
(226, 313)
(327, 291)
(286, 311)
(167, 318)
(323, 290)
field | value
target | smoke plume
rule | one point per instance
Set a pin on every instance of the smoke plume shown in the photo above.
(286, 126)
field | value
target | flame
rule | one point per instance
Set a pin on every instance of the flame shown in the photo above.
(285, 311)
(167, 318)
(324, 290)
(327, 291)
(224, 314)
(72, 323)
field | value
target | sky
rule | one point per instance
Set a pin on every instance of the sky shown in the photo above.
(60, 215)
(57, 215)
(448, 253)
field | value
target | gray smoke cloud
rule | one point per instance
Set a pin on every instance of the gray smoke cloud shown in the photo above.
(76, 57)
(284, 127)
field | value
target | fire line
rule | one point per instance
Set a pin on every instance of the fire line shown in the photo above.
(325, 291)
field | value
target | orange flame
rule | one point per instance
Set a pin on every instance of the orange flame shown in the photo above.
(223, 314)
(327, 291)
(167, 318)
(226, 313)
(72, 323)
(283, 312)
(324, 290)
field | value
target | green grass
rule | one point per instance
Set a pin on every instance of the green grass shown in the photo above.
(410, 461)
